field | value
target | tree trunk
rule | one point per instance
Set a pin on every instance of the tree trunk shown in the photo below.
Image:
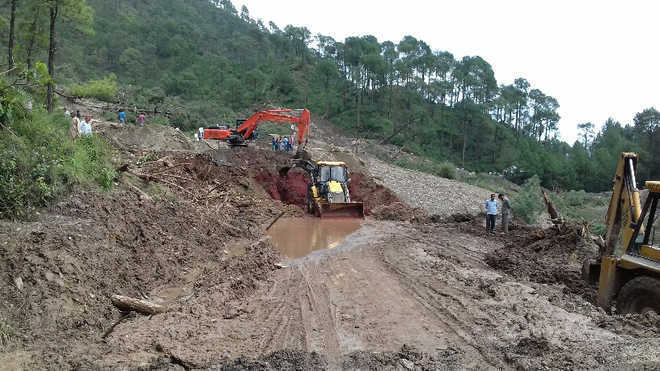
(51, 58)
(464, 144)
(141, 306)
(12, 22)
(359, 101)
(33, 38)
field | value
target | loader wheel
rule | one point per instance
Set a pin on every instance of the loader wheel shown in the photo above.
(639, 295)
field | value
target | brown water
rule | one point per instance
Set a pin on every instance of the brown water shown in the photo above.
(298, 237)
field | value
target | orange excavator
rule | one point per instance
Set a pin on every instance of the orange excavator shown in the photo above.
(245, 129)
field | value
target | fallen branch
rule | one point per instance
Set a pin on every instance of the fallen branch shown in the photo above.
(120, 320)
(274, 220)
(551, 209)
(125, 303)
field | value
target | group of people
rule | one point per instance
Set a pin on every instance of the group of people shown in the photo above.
(121, 116)
(283, 144)
(80, 126)
(491, 213)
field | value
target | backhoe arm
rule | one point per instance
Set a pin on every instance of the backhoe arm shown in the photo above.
(625, 207)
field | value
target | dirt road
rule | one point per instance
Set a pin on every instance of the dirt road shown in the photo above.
(387, 287)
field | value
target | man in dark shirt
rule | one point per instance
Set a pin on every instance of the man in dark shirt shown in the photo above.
(506, 212)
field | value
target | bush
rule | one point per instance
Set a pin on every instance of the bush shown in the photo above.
(39, 162)
(528, 204)
(105, 89)
(442, 169)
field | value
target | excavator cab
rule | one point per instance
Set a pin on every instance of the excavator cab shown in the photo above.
(328, 194)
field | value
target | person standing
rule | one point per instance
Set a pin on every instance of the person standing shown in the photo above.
(122, 117)
(491, 214)
(74, 129)
(285, 141)
(506, 212)
(141, 119)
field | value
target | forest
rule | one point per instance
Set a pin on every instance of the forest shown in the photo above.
(204, 62)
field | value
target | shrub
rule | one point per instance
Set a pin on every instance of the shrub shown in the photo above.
(447, 170)
(105, 89)
(528, 204)
(442, 169)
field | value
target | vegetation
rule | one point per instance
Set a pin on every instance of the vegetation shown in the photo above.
(105, 89)
(527, 203)
(195, 63)
(6, 333)
(38, 161)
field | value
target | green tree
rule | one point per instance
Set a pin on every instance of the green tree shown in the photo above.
(76, 12)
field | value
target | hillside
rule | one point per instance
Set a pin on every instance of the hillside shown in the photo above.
(212, 62)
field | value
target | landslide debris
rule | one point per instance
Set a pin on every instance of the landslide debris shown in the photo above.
(549, 256)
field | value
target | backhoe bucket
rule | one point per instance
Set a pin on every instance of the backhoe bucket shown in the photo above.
(342, 210)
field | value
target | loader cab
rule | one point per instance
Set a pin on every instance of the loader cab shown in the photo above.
(647, 239)
(328, 171)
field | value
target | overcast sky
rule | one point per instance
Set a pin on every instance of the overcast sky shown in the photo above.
(599, 59)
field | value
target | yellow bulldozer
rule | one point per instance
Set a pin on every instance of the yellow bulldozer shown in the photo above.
(628, 270)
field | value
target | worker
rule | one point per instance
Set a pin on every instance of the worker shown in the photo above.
(141, 119)
(285, 141)
(122, 117)
(74, 130)
(273, 143)
(86, 126)
(506, 212)
(491, 214)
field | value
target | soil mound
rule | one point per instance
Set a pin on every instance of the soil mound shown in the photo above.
(178, 220)
(149, 137)
(548, 256)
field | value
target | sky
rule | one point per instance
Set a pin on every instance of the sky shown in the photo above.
(599, 59)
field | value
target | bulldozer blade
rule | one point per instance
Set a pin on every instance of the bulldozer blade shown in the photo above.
(342, 210)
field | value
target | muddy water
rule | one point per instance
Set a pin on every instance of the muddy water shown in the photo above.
(298, 237)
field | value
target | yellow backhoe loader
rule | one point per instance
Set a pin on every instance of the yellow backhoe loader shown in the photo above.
(629, 268)
(328, 194)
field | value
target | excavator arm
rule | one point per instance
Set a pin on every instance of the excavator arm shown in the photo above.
(247, 128)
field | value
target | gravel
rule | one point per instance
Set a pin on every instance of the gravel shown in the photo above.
(436, 195)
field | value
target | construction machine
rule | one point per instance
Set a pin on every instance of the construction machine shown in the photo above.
(628, 270)
(245, 129)
(327, 193)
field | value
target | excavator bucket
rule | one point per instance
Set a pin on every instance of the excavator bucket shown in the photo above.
(342, 210)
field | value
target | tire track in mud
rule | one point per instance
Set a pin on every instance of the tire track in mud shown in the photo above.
(434, 300)
(281, 320)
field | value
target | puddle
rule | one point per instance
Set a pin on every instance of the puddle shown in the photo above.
(170, 294)
(298, 237)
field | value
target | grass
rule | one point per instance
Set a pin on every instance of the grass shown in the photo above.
(104, 89)
(580, 207)
(492, 183)
(6, 332)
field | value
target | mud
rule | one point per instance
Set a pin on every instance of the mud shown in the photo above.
(298, 237)
(550, 256)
